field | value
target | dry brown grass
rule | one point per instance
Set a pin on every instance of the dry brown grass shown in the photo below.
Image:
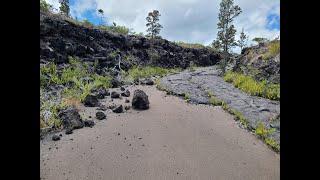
(70, 101)
(42, 123)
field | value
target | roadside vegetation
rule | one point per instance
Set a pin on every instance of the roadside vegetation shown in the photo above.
(264, 133)
(253, 87)
(77, 82)
(148, 72)
(261, 131)
(273, 50)
(190, 45)
(214, 101)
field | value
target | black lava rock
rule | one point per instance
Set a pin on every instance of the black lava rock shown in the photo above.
(126, 93)
(115, 94)
(69, 131)
(71, 118)
(55, 137)
(100, 115)
(91, 101)
(118, 109)
(89, 123)
(140, 100)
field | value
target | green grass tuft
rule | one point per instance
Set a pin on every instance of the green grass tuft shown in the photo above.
(262, 131)
(273, 50)
(253, 87)
(78, 83)
(273, 144)
(187, 97)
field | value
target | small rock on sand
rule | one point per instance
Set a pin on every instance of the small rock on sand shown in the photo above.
(55, 137)
(100, 115)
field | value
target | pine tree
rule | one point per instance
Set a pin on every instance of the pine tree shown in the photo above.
(216, 45)
(100, 11)
(242, 42)
(153, 24)
(64, 7)
(226, 29)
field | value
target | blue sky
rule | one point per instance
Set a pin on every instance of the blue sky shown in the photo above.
(273, 22)
(193, 21)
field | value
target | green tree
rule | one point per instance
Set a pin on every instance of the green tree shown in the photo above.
(216, 45)
(226, 30)
(44, 6)
(64, 7)
(242, 42)
(260, 40)
(153, 24)
(100, 11)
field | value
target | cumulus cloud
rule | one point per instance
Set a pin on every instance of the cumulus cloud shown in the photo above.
(193, 21)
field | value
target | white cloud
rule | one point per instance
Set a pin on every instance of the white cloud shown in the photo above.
(191, 21)
(55, 4)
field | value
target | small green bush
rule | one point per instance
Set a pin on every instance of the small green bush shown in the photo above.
(187, 97)
(253, 87)
(262, 131)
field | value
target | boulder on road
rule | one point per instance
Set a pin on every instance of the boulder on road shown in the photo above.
(140, 100)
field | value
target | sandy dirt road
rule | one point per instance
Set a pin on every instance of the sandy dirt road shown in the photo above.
(171, 140)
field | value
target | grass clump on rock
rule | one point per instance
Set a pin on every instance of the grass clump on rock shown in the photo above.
(214, 101)
(186, 97)
(264, 133)
(273, 50)
(253, 87)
